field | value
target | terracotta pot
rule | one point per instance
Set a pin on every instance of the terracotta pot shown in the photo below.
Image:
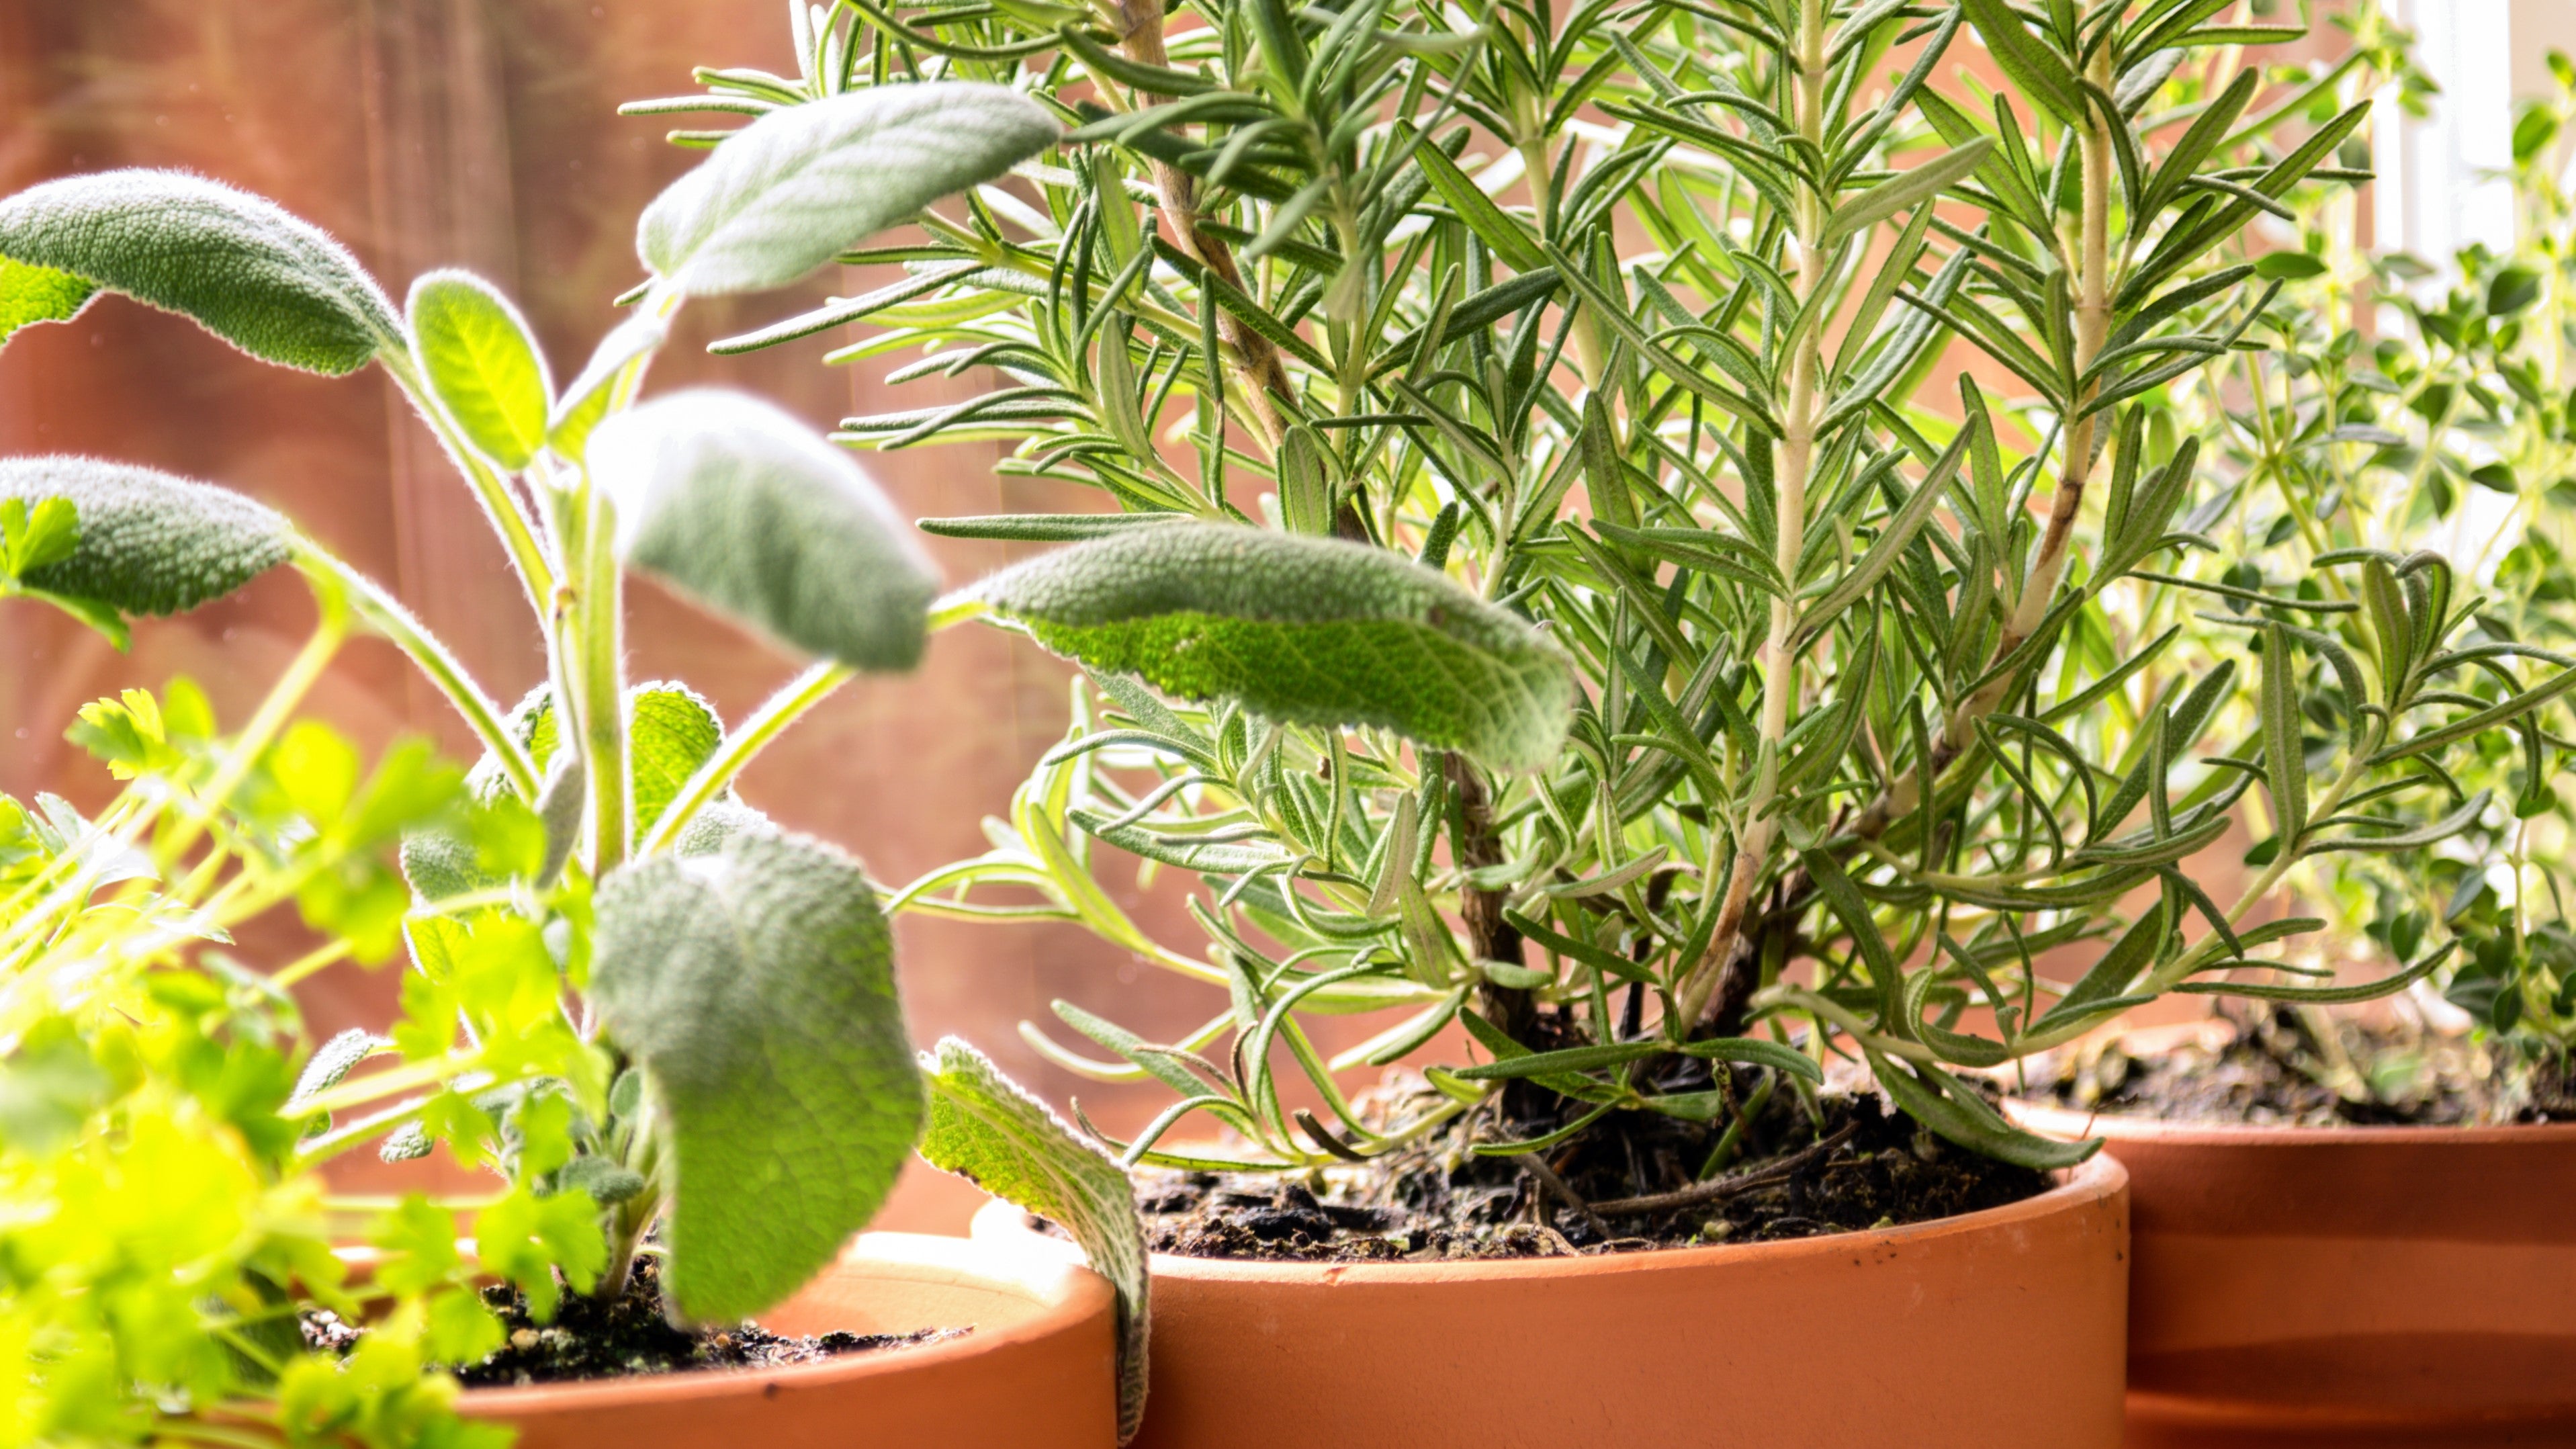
(1999, 1328)
(1038, 1372)
(2347, 1285)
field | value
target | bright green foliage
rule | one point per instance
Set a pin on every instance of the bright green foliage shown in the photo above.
(795, 188)
(479, 359)
(671, 730)
(586, 398)
(986, 1130)
(744, 508)
(2447, 419)
(155, 1192)
(29, 295)
(1306, 630)
(146, 542)
(755, 987)
(266, 282)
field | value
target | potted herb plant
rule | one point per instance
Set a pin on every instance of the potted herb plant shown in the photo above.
(2352, 1226)
(1548, 598)
(670, 1026)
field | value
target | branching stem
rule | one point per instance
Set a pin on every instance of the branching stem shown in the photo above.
(1757, 827)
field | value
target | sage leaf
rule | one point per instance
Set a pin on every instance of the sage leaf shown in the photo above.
(755, 987)
(747, 510)
(670, 731)
(585, 399)
(715, 826)
(150, 543)
(787, 193)
(29, 295)
(265, 281)
(1312, 631)
(560, 803)
(474, 350)
(985, 1129)
(331, 1061)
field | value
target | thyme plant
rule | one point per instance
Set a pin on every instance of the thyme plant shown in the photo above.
(1570, 600)
(2450, 425)
(630, 993)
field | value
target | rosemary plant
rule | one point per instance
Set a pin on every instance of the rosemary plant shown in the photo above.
(1572, 601)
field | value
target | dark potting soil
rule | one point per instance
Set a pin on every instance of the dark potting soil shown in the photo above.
(1632, 1183)
(2275, 1066)
(592, 1339)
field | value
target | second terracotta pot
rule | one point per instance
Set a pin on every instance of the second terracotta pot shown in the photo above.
(1997, 1328)
(1038, 1372)
(2347, 1285)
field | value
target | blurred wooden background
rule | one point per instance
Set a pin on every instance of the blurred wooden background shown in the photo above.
(483, 133)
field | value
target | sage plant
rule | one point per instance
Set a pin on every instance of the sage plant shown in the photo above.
(1548, 591)
(630, 992)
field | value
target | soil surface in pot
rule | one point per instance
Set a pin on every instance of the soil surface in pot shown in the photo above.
(594, 1339)
(2276, 1066)
(1638, 1186)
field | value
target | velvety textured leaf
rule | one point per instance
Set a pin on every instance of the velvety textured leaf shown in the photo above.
(474, 350)
(715, 826)
(800, 185)
(749, 511)
(986, 1130)
(755, 987)
(268, 282)
(150, 543)
(1310, 630)
(29, 295)
(585, 399)
(670, 731)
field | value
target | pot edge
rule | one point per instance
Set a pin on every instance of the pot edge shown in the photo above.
(2099, 1178)
(1067, 1293)
(2066, 1122)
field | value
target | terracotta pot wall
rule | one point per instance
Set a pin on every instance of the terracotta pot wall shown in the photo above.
(482, 133)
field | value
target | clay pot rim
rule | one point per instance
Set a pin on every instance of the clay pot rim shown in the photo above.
(1068, 1294)
(2119, 1127)
(2099, 1177)
(2207, 1412)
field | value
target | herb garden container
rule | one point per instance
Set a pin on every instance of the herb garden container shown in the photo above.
(1037, 1371)
(2346, 1285)
(1855, 1338)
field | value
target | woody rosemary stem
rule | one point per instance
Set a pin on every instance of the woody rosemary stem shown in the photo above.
(1257, 368)
(1757, 826)
(2048, 565)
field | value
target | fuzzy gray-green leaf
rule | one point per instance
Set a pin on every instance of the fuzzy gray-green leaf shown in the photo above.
(670, 731)
(797, 187)
(749, 511)
(755, 986)
(1312, 631)
(29, 295)
(474, 350)
(150, 543)
(985, 1129)
(269, 283)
